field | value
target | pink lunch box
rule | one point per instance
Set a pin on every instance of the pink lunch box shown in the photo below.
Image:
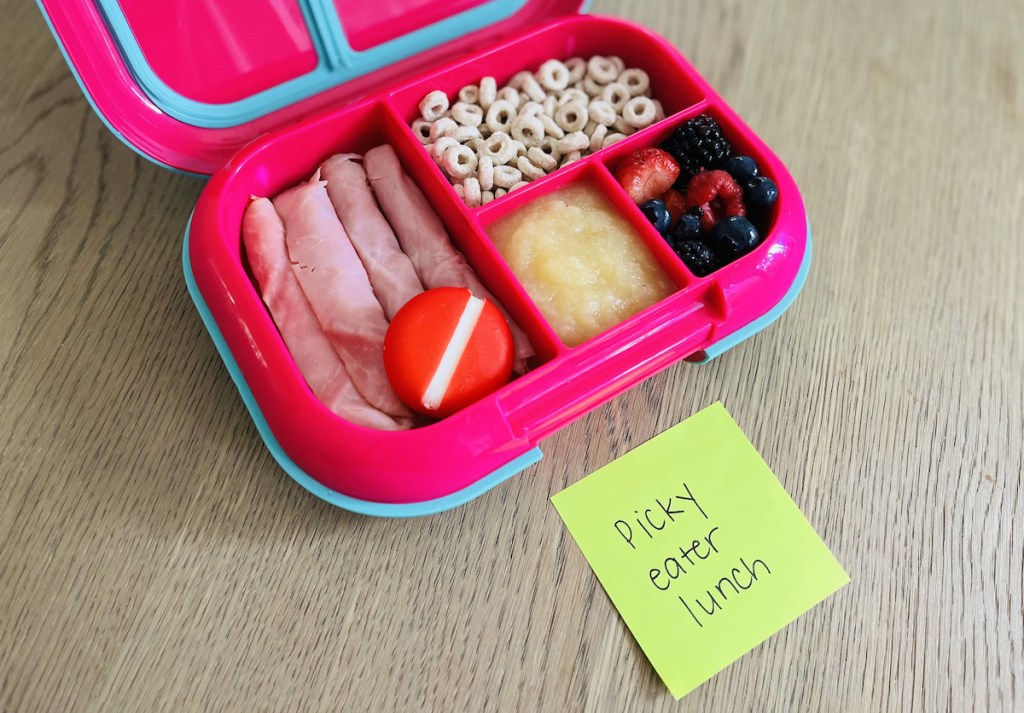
(258, 93)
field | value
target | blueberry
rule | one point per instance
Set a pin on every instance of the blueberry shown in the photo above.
(697, 257)
(688, 228)
(742, 168)
(656, 212)
(732, 237)
(760, 193)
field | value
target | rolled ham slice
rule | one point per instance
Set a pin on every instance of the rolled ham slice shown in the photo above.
(338, 290)
(391, 273)
(424, 239)
(263, 236)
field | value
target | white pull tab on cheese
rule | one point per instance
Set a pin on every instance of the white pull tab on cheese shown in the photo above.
(438, 385)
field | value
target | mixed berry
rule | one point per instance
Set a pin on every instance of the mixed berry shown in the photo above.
(704, 199)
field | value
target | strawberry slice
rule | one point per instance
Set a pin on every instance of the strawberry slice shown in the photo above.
(647, 174)
(717, 195)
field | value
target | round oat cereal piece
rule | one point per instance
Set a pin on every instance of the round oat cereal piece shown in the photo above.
(531, 108)
(486, 197)
(500, 116)
(517, 186)
(439, 147)
(499, 147)
(442, 127)
(636, 80)
(577, 67)
(602, 112)
(506, 176)
(659, 110)
(602, 69)
(469, 94)
(527, 129)
(468, 114)
(551, 127)
(529, 170)
(485, 172)
(616, 94)
(509, 94)
(434, 105)
(612, 139)
(572, 117)
(597, 138)
(570, 95)
(488, 92)
(550, 147)
(533, 89)
(544, 161)
(592, 88)
(421, 127)
(571, 157)
(465, 134)
(471, 188)
(459, 162)
(576, 141)
(553, 75)
(639, 112)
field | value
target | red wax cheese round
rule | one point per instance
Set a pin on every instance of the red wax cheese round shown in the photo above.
(446, 349)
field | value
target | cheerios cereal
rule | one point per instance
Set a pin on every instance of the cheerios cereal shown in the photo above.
(490, 140)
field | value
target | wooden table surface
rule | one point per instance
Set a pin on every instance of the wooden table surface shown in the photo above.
(153, 556)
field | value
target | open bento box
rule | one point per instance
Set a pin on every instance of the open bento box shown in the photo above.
(258, 93)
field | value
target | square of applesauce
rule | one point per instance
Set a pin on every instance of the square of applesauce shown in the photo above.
(582, 262)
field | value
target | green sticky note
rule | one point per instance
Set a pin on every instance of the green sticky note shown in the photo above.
(699, 547)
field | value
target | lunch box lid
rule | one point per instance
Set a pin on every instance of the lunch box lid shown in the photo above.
(186, 83)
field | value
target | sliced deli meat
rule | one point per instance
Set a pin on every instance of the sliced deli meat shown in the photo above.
(338, 289)
(320, 366)
(391, 273)
(425, 240)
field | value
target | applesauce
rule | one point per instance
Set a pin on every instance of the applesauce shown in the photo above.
(580, 260)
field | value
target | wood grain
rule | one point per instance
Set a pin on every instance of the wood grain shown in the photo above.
(153, 557)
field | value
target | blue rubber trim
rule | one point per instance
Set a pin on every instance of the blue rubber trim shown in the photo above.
(768, 317)
(363, 507)
(338, 62)
(96, 110)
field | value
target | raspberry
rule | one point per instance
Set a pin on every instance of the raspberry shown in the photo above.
(646, 174)
(698, 144)
(717, 195)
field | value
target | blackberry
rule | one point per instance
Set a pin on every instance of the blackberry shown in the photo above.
(697, 257)
(697, 145)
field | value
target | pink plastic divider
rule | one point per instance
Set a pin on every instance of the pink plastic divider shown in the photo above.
(652, 239)
(597, 176)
